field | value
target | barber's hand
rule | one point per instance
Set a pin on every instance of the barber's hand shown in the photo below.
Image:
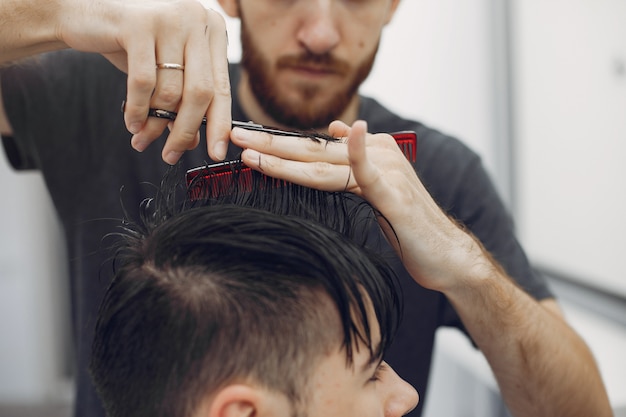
(136, 35)
(433, 248)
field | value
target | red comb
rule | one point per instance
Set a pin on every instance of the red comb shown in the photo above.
(407, 141)
(213, 180)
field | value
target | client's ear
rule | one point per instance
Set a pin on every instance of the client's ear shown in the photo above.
(240, 400)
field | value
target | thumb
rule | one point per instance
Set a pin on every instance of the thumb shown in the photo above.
(364, 172)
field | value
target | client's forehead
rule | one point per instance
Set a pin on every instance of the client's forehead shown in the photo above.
(365, 339)
(368, 324)
(337, 386)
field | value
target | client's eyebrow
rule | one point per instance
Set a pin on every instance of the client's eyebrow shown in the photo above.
(374, 362)
(373, 368)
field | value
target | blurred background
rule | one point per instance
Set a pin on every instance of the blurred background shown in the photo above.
(537, 88)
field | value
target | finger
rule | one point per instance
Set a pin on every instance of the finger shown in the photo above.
(319, 175)
(140, 84)
(365, 173)
(167, 91)
(197, 93)
(167, 95)
(218, 115)
(290, 147)
(186, 91)
(338, 129)
(357, 155)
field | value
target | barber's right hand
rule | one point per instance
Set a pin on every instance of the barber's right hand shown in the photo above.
(139, 35)
(433, 248)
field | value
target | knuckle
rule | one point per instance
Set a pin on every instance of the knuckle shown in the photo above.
(149, 135)
(216, 19)
(133, 109)
(321, 169)
(179, 10)
(385, 140)
(314, 146)
(268, 140)
(186, 139)
(154, 128)
(221, 85)
(142, 79)
(169, 94)
(201, 93)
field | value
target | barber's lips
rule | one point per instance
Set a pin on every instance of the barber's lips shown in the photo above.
(314, 70)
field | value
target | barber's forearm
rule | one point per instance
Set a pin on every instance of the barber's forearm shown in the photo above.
(542, 366)
(28, 27)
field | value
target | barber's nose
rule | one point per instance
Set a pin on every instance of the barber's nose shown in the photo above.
(319, 32)
(401, 397)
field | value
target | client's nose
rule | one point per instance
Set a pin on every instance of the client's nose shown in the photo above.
(400, 396)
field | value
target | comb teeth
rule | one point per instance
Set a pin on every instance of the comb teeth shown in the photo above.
(407, 141)
(228, 177)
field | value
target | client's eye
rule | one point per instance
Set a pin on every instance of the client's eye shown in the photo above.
(376, 376)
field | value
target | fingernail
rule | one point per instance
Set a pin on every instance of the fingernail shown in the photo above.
(138, 144)
(242, 134)
(173, 157)
(251, 157)
(219, 150)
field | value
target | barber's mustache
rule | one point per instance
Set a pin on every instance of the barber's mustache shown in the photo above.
(323, 62)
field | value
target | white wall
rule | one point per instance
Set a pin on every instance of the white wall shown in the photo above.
(435, 65)
(33, 307)
(570, 101)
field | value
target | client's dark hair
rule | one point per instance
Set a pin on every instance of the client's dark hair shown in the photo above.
(214, 293)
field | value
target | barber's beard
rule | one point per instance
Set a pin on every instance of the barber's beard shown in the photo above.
(307, 112)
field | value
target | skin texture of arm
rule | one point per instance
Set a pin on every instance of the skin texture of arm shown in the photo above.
(542, 366)
(135, 35)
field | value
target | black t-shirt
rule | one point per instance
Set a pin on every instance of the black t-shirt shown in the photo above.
(64, 108)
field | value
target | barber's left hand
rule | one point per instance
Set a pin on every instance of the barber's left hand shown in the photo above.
(139, 36)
